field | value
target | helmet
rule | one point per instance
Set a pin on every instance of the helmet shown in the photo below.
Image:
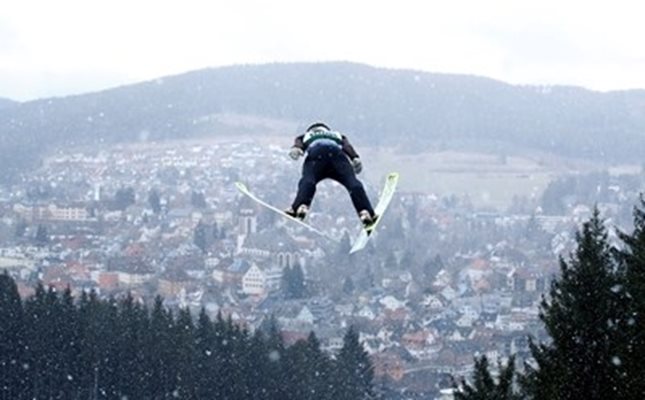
(318, 125)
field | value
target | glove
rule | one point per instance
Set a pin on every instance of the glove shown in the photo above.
(357, 165)
(296, 152)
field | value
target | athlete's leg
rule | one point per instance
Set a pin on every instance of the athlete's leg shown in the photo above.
(313, 171)
(344, 174)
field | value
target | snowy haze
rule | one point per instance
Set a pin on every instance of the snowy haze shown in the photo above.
(55, 48)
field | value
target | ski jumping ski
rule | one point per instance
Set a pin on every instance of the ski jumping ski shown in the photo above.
(384, 200)
(245, 191)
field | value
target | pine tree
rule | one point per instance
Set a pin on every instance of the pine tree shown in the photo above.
(198, 200)
(89, 314)
(348, 286)
(124, 198)
(206, 365)
(154, 201)
(12, 334)
(483, 385)
(353, 373)
(68, 342)
(184, 355)
(318, 370)
(160, 351)
(215, 231)
(256, 366)
(132, 328)
(42, 237)
(200, 237)
(20, 228)
(580, 316)
(108, 377)
(632, 326)
(297, 372)
(99, 326)
(431, 268)
(51, 344)
(38, 336)
(274, 359)
(225, 334)
(293, 280)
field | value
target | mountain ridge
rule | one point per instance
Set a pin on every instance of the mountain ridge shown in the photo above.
(405, 108)
(5, 102)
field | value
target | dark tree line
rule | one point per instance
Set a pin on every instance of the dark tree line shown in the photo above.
(293, 282)
(56, 347)
(204, 235)
(123, 198)
(594, 314)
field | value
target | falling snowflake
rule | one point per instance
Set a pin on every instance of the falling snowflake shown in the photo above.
(274, 356)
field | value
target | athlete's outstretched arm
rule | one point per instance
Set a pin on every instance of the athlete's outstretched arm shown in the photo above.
(299, 142)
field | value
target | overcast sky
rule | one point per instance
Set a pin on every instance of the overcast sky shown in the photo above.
(61, 47)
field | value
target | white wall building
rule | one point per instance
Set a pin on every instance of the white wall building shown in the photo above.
(254, 281)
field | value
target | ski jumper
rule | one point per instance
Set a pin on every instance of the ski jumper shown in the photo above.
(328, 156)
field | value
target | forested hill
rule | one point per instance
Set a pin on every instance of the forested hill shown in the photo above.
(6, 103)
(385, 106)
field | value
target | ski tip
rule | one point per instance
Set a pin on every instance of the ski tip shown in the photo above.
(240, 185)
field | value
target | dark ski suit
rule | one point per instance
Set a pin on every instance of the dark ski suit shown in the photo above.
(328, 156)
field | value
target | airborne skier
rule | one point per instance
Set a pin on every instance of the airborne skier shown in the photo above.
(329, 155)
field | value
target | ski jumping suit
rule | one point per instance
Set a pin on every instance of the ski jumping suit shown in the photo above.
(328, 155)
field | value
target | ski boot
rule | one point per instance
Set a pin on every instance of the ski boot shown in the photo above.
(368, 220)
(300, 213)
